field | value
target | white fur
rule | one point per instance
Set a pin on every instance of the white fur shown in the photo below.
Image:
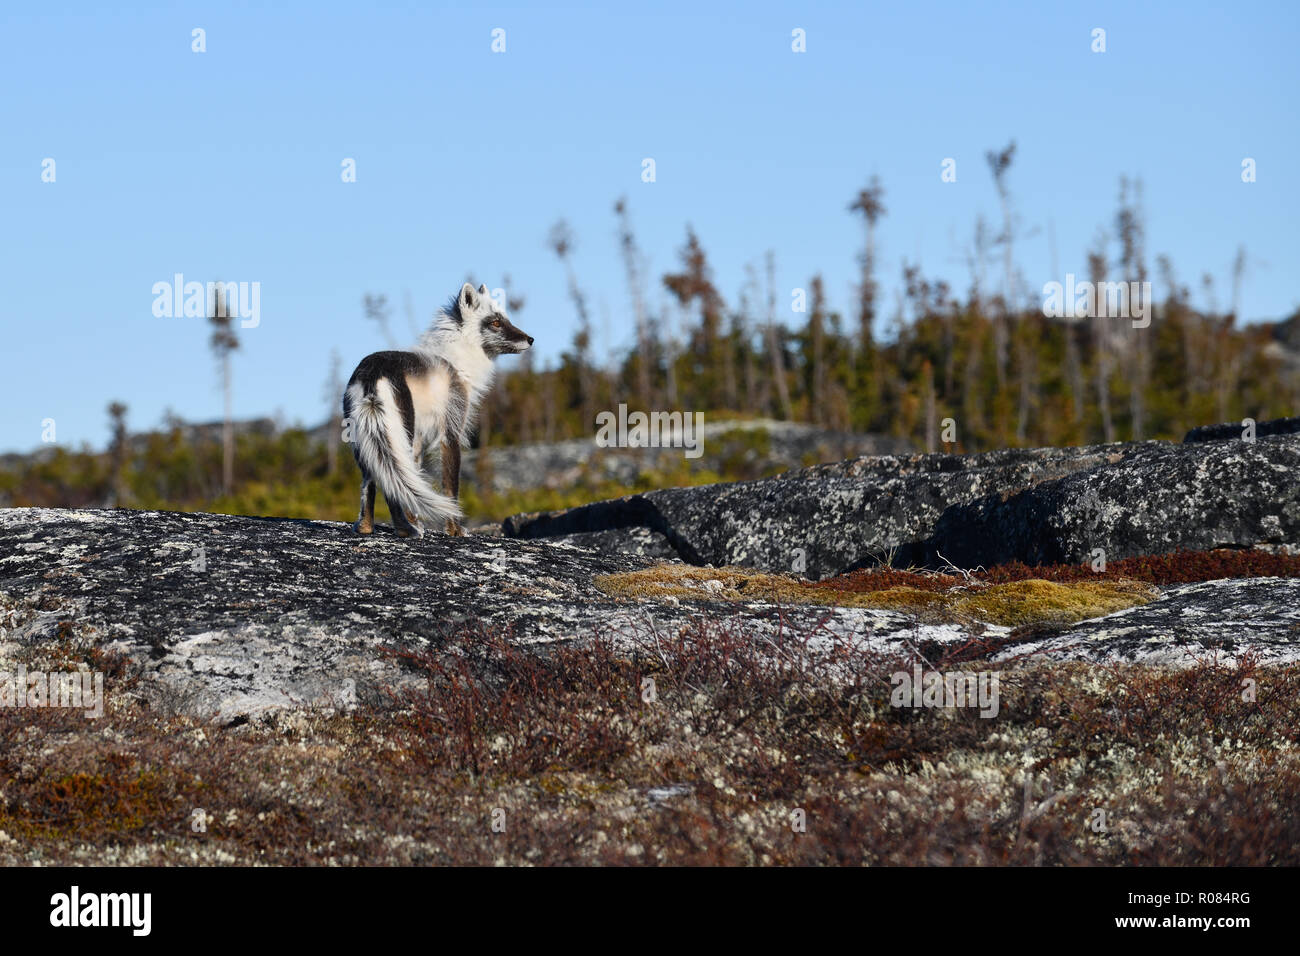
(466, 347)
(430, 395)
(459, 346)
(380, 437)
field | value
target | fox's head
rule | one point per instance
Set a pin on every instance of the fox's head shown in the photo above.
(497, 335)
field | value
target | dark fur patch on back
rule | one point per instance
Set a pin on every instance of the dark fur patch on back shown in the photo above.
(394, 366)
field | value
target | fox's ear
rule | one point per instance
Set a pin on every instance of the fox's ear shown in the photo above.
(483, 288)
(467, 295)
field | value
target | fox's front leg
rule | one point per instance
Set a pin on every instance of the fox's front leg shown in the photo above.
(451, 479)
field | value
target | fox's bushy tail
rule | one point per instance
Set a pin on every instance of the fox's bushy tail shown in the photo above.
(381, 443)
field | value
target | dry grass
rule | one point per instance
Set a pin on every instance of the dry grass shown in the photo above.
(727, 584)
(707, 749)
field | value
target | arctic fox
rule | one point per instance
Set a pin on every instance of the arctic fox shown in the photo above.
(402, 404)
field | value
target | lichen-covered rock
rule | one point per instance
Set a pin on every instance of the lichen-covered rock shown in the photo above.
(229, 616)
(629, 542)
(1235, 431)
(1213, 619)
(234, 615)
(821, 520)
(1157, 499)
(1032, 505)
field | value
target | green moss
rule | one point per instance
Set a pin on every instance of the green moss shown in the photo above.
(1047, 602)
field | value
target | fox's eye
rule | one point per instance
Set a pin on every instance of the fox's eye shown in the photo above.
(496, 323)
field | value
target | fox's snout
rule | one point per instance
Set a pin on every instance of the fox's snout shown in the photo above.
(519, 340)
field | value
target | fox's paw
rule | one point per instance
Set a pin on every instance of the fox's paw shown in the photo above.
(412, 531)
(455, 530)
(363, 527)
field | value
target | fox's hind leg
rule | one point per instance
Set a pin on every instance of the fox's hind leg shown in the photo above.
(365, 523)
(406, 528)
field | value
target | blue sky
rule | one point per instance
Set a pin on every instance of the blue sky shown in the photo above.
(226, 164)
